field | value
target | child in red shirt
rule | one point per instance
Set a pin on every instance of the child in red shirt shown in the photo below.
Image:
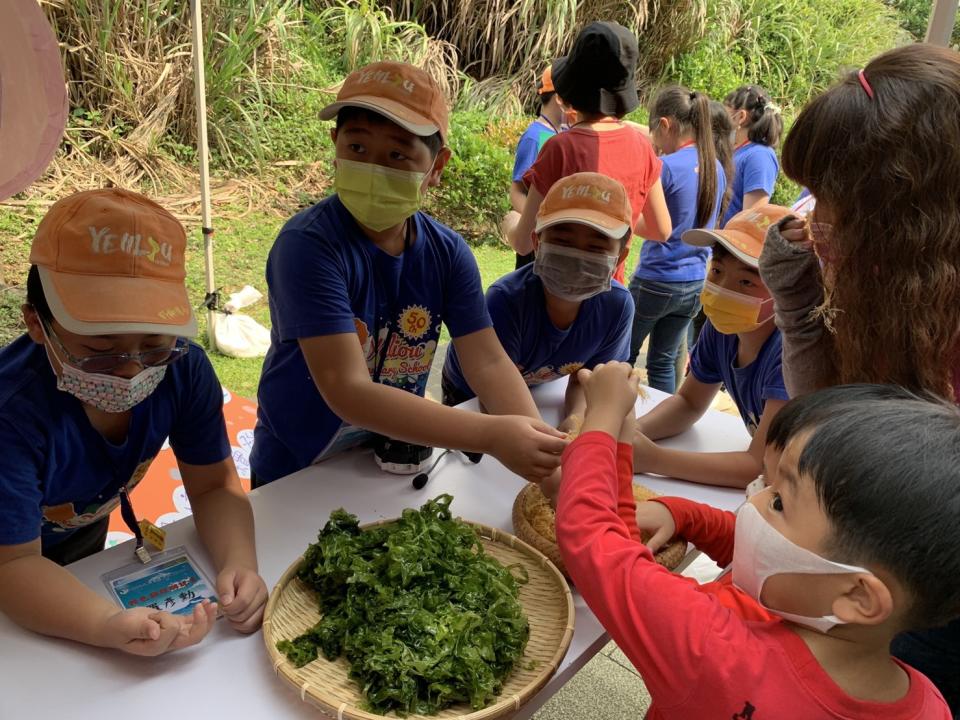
(597, 80)
(851, 486)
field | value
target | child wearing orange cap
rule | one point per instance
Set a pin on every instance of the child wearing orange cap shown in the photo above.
(564, 311)
(739, 348)
(102, 378)
(359, 285)
(549, 122)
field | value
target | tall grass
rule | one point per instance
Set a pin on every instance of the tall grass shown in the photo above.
(515, 39)
(128, 64)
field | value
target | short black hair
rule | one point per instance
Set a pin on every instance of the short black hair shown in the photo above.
(546, 97)
(35, 296)
(807, 411)
(885, 464)
(433, 142)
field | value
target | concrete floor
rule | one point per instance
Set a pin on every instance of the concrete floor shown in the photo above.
(608, 687)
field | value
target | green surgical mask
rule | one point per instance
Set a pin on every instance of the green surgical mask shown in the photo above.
(378, 197)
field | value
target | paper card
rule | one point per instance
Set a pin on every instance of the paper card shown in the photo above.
(172, 582)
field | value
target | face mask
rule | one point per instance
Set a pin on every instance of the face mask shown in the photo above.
(108, 393)
(759, 552)
(378, 197)
(731, 312)
(571, 274)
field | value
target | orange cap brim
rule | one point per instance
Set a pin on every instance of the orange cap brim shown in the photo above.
(742, 246)
(609, 226)
(400, 114)
(109, 305)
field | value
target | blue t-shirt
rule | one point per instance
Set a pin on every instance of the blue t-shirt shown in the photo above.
(674, 260)
(756, 167)
(714, 360)
(529, 146)
(325, 277)
(601, 332)
(60, 474)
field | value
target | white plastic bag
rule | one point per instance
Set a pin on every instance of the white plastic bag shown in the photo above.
(240, 336)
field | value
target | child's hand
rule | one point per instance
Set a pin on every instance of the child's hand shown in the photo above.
(655, 519)
(527, 446)
(797, 231)
(611, 387)
(551, 487)
(143, 631)
(243, 597)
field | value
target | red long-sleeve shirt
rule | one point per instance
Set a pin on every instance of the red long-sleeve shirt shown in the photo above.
(698, 658)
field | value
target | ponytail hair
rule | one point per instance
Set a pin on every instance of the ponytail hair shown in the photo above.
(764, 121)
(723, 131)
(691, 110)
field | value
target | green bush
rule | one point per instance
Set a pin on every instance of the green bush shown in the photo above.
(473, 195)
(793, 48)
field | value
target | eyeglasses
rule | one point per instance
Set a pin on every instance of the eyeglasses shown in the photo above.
(106, 364)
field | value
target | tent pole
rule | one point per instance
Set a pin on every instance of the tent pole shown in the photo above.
(203, 151)
(942, 18)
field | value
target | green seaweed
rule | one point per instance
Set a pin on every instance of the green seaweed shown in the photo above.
(423, 615)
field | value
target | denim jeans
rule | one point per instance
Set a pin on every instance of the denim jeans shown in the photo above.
(662, 311)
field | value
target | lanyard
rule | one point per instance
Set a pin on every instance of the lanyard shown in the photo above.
(130, 518)
(687, 144)
(547, 122)
(380, 353)
(741, 145)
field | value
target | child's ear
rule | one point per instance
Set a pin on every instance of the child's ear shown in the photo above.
(32, 320)
(624, 251)
(536, 241)
(443, 157)
(333, 135)
(866, 600)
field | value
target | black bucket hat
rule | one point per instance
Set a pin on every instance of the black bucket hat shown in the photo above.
(598, 74)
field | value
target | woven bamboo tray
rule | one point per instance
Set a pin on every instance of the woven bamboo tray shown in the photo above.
(546, 599)
(670, 555)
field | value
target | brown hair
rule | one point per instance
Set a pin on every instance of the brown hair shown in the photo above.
(765, 124)
(691, 110)
(723, 130)
(888, 168)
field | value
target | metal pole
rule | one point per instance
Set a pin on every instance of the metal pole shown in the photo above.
(200, 85)
(942, 19)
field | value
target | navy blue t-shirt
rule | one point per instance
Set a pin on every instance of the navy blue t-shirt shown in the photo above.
(325, 277)
(601, 332)
(756, 168)
(674, 260)
(60, 474)
(714, 360)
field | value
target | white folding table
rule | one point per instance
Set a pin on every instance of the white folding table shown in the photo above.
(229, 675)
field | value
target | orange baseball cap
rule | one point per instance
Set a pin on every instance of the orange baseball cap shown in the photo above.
(546, 81)
(33, 95)
(112, 262)
(589, 199)
(744, 233)
(401, 92)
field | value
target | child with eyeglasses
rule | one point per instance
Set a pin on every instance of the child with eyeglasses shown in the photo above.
(90, 393)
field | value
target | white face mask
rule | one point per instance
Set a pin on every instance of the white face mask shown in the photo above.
(571, 274)
(759, 552)
(108, 393)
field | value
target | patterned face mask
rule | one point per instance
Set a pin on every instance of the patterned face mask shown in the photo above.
(108, 393)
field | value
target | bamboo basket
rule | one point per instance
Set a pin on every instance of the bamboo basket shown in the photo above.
(670, 555)
(546, 600)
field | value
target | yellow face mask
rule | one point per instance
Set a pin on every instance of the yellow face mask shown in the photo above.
(731, 312)
(378, 197)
